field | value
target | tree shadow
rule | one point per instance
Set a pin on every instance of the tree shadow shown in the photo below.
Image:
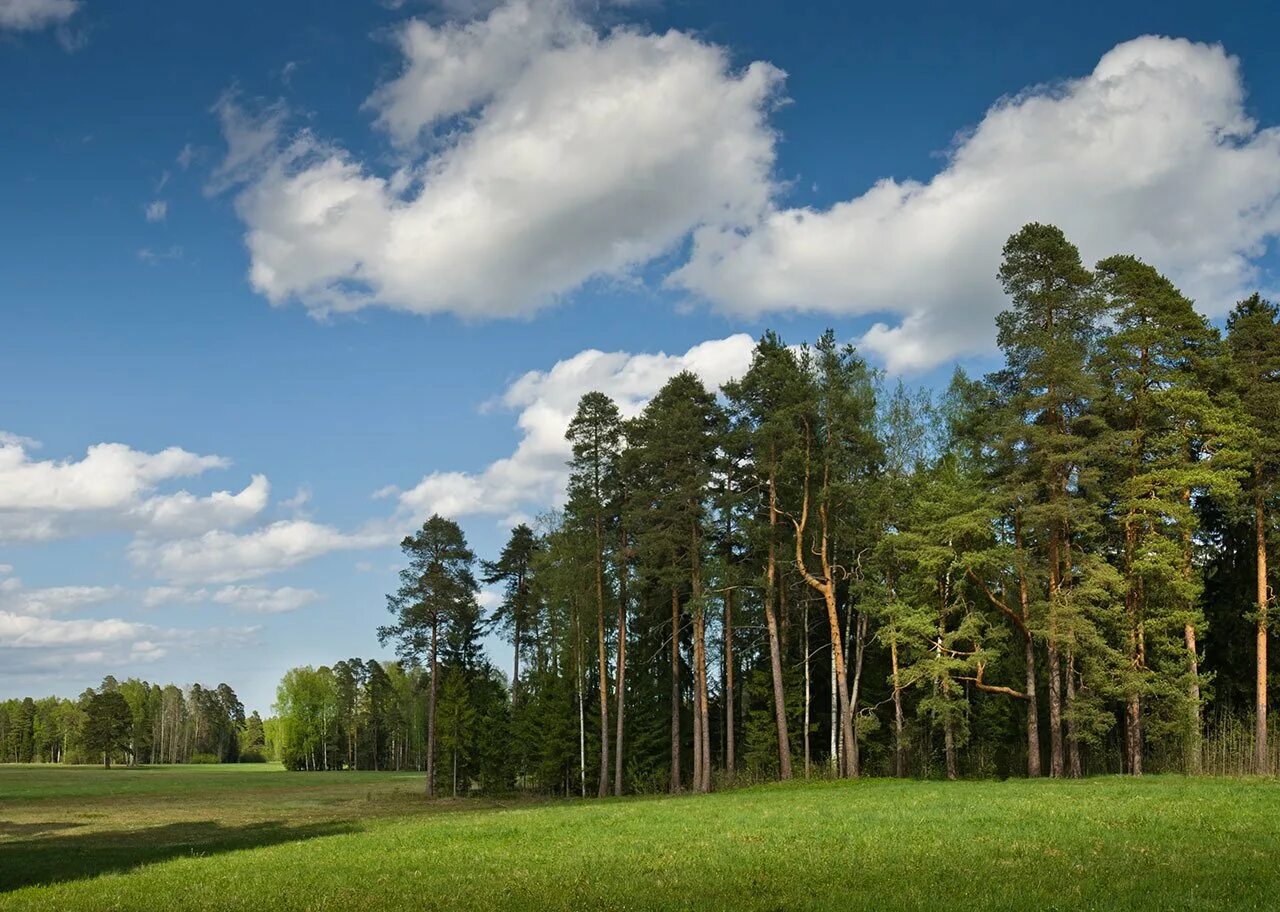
(51, 859)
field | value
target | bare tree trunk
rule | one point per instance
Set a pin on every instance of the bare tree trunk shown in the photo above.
(859, 651)
(603, 789)
(704, 704)
(1055, 713)
(728, 684)
(899, 745)
(1261, 756)
(1033, 711)
(771, 621)
(620, 688)
(1055, 664)
(431, 713)
(834, 756)
(697, 722)
(826, 586)
(949, 745)
(582, 707)
(1073, 740)
(807, 693)
(1193, 701)
(675, 690)
(701, 704)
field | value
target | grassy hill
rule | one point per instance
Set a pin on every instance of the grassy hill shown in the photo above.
(262, 839)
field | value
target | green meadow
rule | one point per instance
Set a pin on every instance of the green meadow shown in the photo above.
(259, 838)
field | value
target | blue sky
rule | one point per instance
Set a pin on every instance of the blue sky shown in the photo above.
(328, 243)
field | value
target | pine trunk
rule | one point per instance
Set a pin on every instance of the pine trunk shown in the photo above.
(620, 688)
(675, 690)
(729, 747)
(431, 713)
(602, 649)
(1261, 759)
(775, 645)
(899, 724)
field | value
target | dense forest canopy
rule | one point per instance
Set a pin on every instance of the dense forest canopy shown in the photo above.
(1058, 569)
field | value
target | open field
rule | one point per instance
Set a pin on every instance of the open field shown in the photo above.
(258, 838)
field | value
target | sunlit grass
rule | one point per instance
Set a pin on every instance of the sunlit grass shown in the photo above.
(367, 842)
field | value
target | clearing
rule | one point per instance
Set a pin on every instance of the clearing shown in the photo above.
(255, 837)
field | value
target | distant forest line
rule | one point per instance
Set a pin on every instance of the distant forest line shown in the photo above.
(1059, 569)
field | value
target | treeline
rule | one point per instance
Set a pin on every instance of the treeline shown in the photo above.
(373, 716)
(1060, 568)
(132, 722)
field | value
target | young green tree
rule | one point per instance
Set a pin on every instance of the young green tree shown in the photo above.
(108, 724)
(437, 587)
(518, 610)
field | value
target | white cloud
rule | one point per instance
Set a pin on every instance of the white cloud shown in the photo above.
(538, 153)
(157, 210)
(159, 596)
(18, 630)
(113, 486)
(32, 15)
(219, 556)
(186, 514)
(1151, 154)
(535, 474)
(260, 600)
(16, 598)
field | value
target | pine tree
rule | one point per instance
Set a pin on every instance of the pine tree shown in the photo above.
(765, 406)
(1253, 337)
(676, 438)
(437, 588)
(1163, 429)
(1046, 336)
(596, 435)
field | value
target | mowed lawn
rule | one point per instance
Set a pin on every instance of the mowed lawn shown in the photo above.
(261, 839)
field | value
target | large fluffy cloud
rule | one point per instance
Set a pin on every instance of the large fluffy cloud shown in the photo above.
(1152, 153)
(113, 486)
(539, 153)
(533, 477)
(221, 556)
(30, 15)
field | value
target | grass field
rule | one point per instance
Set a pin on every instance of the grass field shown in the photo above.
(262, 839)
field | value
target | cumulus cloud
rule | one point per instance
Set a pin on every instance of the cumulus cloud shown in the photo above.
(157, 210)
(43, 602)
(113, 486)
(538, 153)
(261, 600)
(221, 556)
(32, 15)
(18, 630)
(1152, 154)
(534, 475)
(186, 514)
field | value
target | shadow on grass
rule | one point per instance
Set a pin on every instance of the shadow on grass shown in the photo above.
(51, 859)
